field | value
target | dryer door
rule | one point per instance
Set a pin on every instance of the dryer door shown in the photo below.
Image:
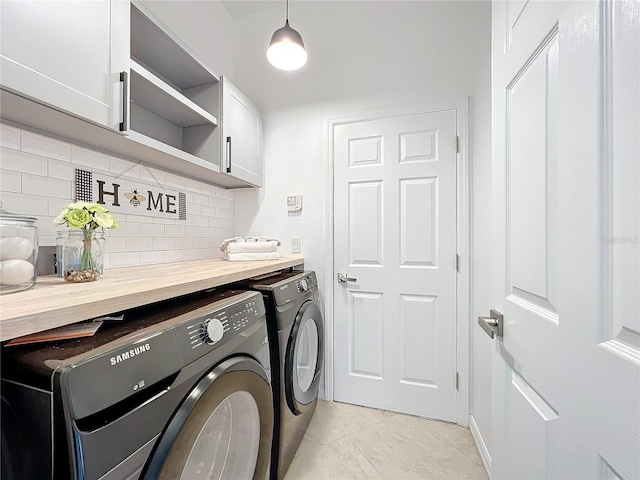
(222, 430)
(304, 358)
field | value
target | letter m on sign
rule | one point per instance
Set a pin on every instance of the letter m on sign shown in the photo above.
(155, 202)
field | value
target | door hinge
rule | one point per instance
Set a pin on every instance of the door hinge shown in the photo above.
(457, 381)
(457, 144)
(457, 263)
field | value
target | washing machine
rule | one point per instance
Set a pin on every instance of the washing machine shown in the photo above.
(177, 390)
(296, 336)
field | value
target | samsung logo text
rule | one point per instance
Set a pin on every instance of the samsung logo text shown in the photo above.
(131, 353)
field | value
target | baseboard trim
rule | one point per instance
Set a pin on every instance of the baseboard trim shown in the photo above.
(482, 448)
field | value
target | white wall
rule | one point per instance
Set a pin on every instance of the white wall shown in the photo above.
(363, 56)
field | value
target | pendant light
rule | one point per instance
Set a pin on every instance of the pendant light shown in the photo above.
(286, 50)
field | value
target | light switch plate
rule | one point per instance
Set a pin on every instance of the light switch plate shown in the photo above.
(294, 203)
(296, 246)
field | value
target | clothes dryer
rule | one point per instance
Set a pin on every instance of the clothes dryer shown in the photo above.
(296, 337)
(178, 390)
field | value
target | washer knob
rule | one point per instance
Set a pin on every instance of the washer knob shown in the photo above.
(213, 330)
(303, 285)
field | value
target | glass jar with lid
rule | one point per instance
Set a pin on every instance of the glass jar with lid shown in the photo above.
(18, 252)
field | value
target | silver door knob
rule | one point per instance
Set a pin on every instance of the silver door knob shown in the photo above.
(344, 278)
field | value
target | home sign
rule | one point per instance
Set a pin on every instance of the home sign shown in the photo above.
(130, 197)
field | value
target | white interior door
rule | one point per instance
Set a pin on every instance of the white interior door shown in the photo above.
(566, 176)
(395, 234)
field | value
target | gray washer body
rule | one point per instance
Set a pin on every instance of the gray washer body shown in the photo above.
(94, 408)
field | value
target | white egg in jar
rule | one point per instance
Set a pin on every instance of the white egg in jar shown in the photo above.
(15, 272)
(15, 248)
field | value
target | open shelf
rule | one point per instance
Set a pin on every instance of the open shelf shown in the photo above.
(174, 98)
(153, 94)
(154, 45)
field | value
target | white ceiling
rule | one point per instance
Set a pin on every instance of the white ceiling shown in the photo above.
(242, 8)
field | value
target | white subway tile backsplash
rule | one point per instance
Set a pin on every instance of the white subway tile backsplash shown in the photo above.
(174, 230)
(216, 202)
(137, 244)
(10, 181)
(200, 221)
(166, 221)
(151, 230)
(222, 194)
(208, 232)
(203, 242)
(9, 137)
(209, 189)
(116, 244)
(163, 244)
(37, 178)
(174, 180)
(151, 258)
(128, 259)
(22, 162)
(216, 222)
(45, 146)
(24, 204)
(192, 185)
(138, 219)
(224, 213)
(192, 232)
(208, 211)
(174, 256)
(89, 158)
(56, 205)
(126, 229)
(200, 199)
(124, 168)
(184, 243)
(151, 175)
(37, 185)
(61, 170)
(46, 226)
(224, 232)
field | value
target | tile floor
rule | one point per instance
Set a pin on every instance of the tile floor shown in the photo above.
(349, 442)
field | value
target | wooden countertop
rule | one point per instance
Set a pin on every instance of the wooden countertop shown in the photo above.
(52, 302)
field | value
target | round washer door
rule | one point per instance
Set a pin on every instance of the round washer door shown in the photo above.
(222, 430)
(304, 358)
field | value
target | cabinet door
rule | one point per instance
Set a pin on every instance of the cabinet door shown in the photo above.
(67, 55)
(241, 136)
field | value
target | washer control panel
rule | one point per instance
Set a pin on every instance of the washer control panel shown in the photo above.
(218, 326)
(305, 283)
(291, 289)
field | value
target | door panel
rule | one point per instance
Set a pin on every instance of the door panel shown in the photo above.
(395, 233)
(566, 374)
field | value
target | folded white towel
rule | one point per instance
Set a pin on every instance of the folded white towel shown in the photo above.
(252, 247)
(249, 256)
(247, 251)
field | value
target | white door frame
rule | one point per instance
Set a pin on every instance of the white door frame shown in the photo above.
(463, 239)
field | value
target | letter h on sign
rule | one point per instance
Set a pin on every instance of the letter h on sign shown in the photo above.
(102, 193)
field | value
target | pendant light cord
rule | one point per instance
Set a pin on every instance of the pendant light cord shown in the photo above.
(287, 9)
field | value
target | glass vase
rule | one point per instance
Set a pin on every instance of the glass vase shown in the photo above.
(82, 254)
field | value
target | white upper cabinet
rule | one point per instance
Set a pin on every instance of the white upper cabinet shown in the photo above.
(241, 136)
(68, 55)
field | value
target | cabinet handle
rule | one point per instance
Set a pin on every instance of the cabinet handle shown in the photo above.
(125, 101)
(228, 154)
